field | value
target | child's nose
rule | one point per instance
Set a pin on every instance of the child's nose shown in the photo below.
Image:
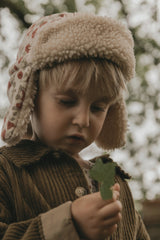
(82, 117)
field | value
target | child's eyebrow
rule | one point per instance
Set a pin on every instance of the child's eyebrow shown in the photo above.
(104, 99)
(67, 92)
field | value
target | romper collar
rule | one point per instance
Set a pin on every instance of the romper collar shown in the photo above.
(27, 152)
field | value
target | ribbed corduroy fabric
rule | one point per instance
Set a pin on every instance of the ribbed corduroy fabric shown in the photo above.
(35, 179)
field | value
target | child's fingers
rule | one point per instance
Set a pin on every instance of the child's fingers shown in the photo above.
(116, 191)
(111, 210)
(116, 195)
(91, 208)
(116, 187)
(98, 201)
(112, 221)
(101, 203)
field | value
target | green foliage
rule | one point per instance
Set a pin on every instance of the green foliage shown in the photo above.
(71, 5)
(18, 9)
(104, 174)
(49, 8)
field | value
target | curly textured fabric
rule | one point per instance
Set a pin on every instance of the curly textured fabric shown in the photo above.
(58, 38)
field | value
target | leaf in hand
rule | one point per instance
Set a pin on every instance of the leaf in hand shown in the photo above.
(104, 174)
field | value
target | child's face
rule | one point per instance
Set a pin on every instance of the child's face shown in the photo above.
(67, 120)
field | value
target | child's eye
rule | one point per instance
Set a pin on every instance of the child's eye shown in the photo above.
(67, 102)
(98, 108)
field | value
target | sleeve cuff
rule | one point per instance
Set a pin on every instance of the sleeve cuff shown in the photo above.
(57, 223)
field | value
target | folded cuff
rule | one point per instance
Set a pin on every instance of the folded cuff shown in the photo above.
(57, 223)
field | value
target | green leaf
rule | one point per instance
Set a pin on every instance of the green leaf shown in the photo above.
(105, 190)
(104, 173)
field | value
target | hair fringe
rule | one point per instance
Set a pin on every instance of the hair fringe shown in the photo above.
(83, 74)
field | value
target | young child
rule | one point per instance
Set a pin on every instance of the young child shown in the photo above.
(67, 83)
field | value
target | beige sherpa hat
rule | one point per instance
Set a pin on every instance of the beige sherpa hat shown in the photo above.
(62, 37)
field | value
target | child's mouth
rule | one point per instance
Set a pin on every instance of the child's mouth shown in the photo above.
(77, 138)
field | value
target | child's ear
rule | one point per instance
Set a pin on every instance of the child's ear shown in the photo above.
(113, 133)
(29, 132)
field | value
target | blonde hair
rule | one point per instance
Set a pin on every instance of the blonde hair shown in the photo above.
(101, 75)
(83, 75)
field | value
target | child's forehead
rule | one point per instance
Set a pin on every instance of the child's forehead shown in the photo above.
(84, 78)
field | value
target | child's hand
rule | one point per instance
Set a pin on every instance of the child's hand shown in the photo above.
(95, 218)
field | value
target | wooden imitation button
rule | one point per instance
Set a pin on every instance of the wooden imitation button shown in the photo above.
(80, 191)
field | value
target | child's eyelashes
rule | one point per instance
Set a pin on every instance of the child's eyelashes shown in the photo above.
(73, 102)
(98, 108)
(66, 102)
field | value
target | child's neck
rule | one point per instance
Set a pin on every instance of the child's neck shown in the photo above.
(80, 161)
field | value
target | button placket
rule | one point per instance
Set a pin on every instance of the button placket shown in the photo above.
(80, 191)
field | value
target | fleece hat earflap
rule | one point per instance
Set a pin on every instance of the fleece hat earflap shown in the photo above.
(62, 37)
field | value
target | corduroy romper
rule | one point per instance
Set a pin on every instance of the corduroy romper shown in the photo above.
(37, 186)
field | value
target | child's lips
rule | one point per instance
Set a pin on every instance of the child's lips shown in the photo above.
(77, 137)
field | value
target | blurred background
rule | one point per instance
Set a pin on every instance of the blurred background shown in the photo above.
(141, 155)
